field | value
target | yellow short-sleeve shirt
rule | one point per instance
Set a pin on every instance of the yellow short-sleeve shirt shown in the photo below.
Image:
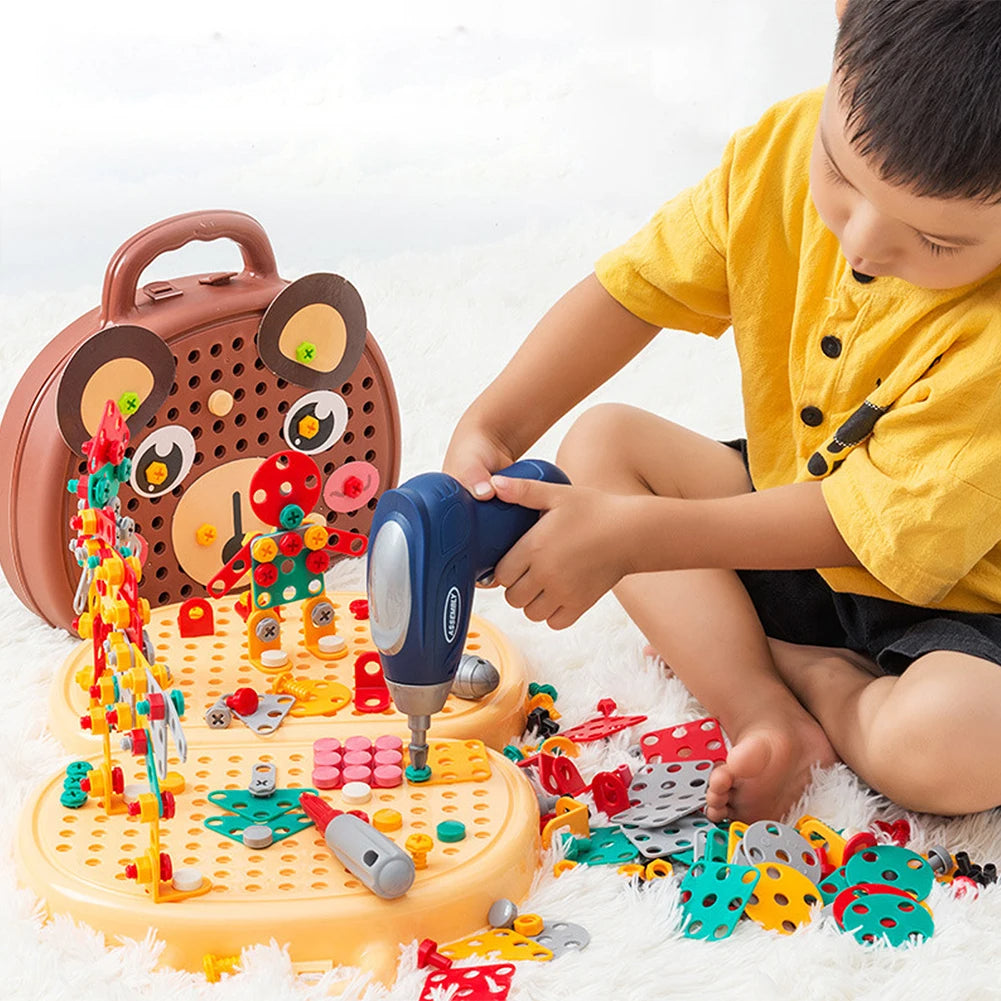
(889, 393)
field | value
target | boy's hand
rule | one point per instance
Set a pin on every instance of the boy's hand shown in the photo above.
(571, 557)
(471, 457)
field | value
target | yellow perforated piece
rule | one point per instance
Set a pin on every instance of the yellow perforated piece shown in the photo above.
(456, 761)
(816, 831)
(782, 899)
(498, 943)
(205, 668)
(737, 829)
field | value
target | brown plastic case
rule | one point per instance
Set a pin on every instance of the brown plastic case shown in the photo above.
(212, 356)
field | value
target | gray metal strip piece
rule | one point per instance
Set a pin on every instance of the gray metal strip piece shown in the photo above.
(770, 841)
(561, 937)
(270, 714)
(665, 791)
(660, 842)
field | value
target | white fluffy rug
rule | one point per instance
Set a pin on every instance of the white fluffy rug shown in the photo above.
(462, 168)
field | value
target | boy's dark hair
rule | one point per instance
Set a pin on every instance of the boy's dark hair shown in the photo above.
(921, 84)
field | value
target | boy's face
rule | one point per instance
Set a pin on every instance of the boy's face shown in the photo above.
(886, 230)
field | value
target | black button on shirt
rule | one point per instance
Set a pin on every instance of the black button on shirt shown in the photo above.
(812, 416)
(831, 346)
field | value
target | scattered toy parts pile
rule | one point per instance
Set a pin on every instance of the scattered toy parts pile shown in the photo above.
(780, 876)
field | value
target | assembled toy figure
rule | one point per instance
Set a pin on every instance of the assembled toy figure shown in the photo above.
(288, 564)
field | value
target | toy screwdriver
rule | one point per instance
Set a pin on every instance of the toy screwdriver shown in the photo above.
(431, 541)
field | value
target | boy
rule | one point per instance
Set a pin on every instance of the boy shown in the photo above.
(852, 239)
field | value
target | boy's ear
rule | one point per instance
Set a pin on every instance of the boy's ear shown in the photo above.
(128, 364)
(313, 333)
(839, 9)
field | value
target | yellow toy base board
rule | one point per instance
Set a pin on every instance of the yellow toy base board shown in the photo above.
(294, 891)
(205, 668)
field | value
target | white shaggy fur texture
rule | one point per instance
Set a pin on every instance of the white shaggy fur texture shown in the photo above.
(462, 167)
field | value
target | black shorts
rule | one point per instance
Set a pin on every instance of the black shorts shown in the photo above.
(798, 606)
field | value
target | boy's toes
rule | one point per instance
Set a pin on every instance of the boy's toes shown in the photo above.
(718, 793)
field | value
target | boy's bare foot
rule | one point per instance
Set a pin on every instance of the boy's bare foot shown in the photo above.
(766, 770)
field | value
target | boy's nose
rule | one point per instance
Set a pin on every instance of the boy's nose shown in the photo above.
(866, 238)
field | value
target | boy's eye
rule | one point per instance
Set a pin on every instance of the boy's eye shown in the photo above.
(938, 249)
(833, 175)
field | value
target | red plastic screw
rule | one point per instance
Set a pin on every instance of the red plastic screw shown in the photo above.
(352, 487)
(359, 608)
(169, 804)
(428, 955)
(244, 701)
(606, 707)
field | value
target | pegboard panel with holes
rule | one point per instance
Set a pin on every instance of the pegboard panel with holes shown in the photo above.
(295, 890)
(227, 360)
(207, 667)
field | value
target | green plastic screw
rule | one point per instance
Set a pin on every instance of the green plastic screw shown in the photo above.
(305, 353)
(177, 697)
(128, 404)
(73, 799)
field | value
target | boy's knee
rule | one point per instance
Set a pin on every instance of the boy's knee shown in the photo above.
(592, 453)
(922, 763)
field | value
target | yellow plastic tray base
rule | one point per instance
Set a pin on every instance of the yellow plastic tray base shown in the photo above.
(294, 891)
(207, 667)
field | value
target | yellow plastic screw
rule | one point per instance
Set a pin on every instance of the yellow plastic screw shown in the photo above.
(156, 473)
(214, 966)
(419, 845)
(264, 550)
(309, 427)
(206, 535)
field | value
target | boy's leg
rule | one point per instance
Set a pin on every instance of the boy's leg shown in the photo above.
(928, 739)
(702, 621)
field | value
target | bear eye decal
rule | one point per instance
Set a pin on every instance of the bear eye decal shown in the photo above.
(316, 421)
(162, 461)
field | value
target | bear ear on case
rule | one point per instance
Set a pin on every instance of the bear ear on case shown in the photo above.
(128, 364)
(313, 333)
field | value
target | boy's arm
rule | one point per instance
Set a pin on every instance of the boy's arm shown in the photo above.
(784, 528)
(581, 342)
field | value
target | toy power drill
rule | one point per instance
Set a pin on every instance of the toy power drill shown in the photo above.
(430, 542)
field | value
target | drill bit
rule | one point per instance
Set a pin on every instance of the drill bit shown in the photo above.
(419, 741)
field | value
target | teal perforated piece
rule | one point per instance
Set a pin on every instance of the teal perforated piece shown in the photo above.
(713, 897)
(607, 846)
(711, 844)
(898, 867)
(283, 826)
(686, 856)
(832, 885)
(879, 916)
(258, 809)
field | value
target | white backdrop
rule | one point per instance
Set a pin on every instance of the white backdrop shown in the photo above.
(462, 164)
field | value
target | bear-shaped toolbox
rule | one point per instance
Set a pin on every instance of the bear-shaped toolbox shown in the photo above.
(214, 373)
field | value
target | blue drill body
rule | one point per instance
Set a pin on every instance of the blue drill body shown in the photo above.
(430, 541)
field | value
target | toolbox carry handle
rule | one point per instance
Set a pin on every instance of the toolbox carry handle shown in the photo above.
(121, 280)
